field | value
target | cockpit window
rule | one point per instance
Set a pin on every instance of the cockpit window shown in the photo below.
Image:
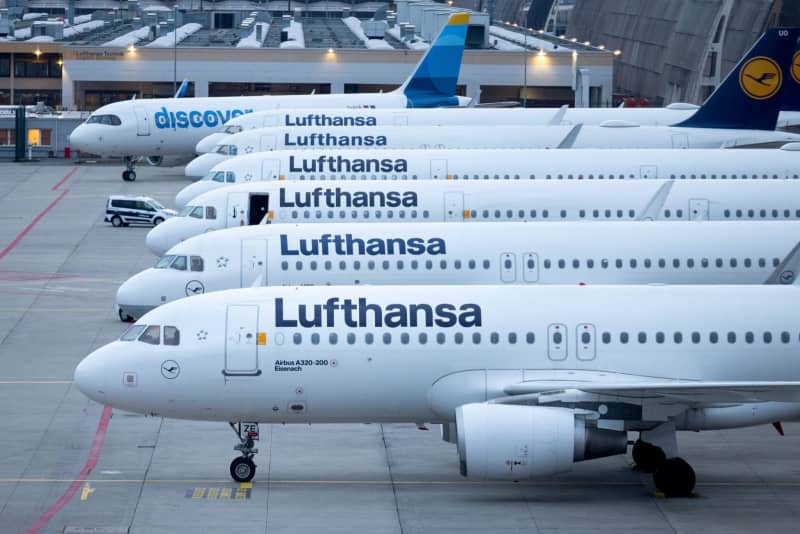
(151, 335)
(179, 263)
(196, 263)
(197, 212)
(211, 212)
(233, 128)
(228, 150)
(172, 336)
(110, 120)
(219, 177)
(132, 333)
(230, 177)
(164, 262)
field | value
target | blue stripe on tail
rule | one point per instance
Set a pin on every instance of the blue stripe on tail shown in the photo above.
(750, 97)
(433, 83)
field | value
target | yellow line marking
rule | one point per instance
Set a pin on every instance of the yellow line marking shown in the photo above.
(86, 491)
(245, 485)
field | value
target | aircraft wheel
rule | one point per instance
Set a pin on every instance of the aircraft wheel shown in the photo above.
(131, 176)
(116, 221)
(243, 469)
(124, 317)
(675, 478)
(647, 456)
(126, 176)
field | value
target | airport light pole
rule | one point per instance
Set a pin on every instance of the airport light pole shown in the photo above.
(174, 49)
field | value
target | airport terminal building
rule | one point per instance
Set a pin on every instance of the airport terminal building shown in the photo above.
(112, 50)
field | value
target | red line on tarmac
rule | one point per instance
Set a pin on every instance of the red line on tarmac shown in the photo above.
(69, 175)
(91, 462)
(34, 222)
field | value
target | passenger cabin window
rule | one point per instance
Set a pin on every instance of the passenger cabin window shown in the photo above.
(151, 335)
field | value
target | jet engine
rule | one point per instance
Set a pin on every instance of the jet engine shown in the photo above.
(168, 161)
(507, 442)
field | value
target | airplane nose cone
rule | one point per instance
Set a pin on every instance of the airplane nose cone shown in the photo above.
(188, 193)
(79, 138)
(135, 296)
(208, 143)
(158, 240)
(90, 377)
(201, 165)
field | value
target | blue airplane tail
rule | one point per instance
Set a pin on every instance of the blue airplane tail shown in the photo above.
(433, 82)
(750, 97)
(791, 94)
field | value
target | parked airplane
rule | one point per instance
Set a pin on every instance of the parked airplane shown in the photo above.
(713, 125)
(497, 164)
(481, 201)
(461, 253)
(526, 379)
(172, 127)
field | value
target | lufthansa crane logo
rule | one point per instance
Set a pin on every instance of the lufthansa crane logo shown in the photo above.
(170, 369)
(760, 78)
(796, 66)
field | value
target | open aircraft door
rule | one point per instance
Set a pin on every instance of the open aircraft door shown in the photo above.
(254, 263)
(438, 169)
(585, 341)
(508, 267)
(268, 142)
(680, 141)
(241, 341)
(648, 172)
(454, 206)
(259, 208)
(698, 209)
(142, 120)
(557, 342)
(237, 209)
(271, 169)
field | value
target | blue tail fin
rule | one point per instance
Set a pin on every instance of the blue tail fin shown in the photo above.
(750, 96)
(181, 92)
(791, 93)
(433, 82)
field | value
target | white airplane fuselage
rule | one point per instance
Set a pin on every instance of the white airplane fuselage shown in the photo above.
(376, 354)
(478, 201)
(462, 253)
(483, 136)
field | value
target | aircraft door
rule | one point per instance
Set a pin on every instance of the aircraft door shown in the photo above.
(698, 209)
(438, 169)
(270, 169)
(680, 141)
(400, 119)
(259, 208)
(237, 209)
(557, 342)
(508, 267)
(267, 143)
(241, 341)
(454, 206)
(648, 172)
(254, 263)
(142, 120)
(585, 341)
(530, 267)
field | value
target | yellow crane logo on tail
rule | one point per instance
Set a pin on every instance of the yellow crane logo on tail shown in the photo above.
(760, 78)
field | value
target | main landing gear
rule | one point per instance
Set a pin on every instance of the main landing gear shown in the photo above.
(243, 468)
(673, 477)
(129, 174)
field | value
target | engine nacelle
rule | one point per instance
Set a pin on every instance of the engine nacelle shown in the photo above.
(507, 442)
(168, 161)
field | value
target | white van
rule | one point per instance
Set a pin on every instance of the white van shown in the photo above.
(124, 210)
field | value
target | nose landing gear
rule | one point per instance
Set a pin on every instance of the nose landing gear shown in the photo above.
(243, 469)
(129, 175)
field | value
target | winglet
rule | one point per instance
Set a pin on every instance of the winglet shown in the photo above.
(569, 139)
(651, 211)
(786, 271)
(433, 82)
(556, 119)
(750, 96)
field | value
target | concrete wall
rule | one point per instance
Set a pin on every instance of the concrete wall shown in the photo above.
(664, 42)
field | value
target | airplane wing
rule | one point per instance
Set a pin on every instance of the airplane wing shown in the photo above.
(684, 391)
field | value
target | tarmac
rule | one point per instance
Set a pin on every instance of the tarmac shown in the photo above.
(70, 465)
